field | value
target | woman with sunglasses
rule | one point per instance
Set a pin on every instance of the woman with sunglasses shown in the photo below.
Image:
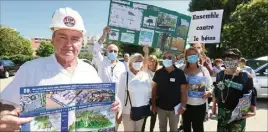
(153, 65)
(200, 88)
(231, 84)
(134, 89)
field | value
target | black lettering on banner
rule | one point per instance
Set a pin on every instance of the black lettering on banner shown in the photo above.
(205, 27)
(196, 38)
(207, 38)
(206, 16)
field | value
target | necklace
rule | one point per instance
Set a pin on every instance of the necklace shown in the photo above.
(228, 86)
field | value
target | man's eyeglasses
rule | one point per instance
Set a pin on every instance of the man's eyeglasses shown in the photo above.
(167, 57)
(110, 51)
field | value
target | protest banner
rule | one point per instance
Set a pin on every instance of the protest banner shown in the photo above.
(68, 107)
(141, 24)
(205, 26)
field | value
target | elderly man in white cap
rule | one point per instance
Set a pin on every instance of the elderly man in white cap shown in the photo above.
(63, 67)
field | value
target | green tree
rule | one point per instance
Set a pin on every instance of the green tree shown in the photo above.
(45, 49)
(85, 55)
(228, 6)
(248, 29)
(11, 43)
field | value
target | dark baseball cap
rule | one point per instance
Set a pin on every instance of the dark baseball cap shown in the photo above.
(233, 53)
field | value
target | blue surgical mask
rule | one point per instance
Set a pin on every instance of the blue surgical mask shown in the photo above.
(192, 58)
(112, 56)
(137, 65)
(167, 63)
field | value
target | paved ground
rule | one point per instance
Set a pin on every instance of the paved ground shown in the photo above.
(257, 123)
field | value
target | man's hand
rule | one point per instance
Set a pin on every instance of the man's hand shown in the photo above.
(115, 106)
(180, 111)
(9, 120)
(207, 94)
(106, 30)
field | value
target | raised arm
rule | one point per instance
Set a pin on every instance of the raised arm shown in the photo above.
(146, 57)
(98, 45)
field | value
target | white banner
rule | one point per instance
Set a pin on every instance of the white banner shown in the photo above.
(205, 26)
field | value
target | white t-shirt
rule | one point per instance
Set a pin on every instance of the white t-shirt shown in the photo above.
(207, 82)
(47, 71)
(139, 89)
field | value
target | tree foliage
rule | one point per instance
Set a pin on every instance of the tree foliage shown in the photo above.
(11, 43)
(248, 29)
(242, 21)
(85, 55)
(228, 6)
(45, 49)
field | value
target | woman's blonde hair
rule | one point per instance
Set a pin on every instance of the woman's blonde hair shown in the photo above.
(154, 59)
(133, 58)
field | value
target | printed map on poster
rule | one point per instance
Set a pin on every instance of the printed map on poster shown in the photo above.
(142, 24)
(74, 107)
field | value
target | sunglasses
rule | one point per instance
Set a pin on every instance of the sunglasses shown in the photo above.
(167, 57)
(110, 51)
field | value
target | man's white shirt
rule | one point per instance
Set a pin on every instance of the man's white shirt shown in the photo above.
(47, 71)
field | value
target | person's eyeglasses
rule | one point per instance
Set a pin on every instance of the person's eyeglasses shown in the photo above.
(168, 57)
(110, 51)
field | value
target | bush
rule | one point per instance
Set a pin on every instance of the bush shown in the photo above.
(85, 55)
(18, 59)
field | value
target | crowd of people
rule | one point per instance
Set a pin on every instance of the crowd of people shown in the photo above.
(141, 83)
(184, 79)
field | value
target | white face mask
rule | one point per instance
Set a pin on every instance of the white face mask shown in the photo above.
(137, 65)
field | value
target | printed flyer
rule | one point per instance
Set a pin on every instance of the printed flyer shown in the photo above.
(68, 107)
(242, 107)
(197, 86)
(142, 24)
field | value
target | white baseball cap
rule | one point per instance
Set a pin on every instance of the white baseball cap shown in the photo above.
(67, 18)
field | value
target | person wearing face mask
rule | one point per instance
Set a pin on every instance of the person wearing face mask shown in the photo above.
(180, 60)
(134, 89)
(231, 84)
(218, 66)
(153, 66)
(200, 88)
(110, 68)
(169, 90)
(126, 58)
(204, 60)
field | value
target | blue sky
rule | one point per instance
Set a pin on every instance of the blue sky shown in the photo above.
(32, 18)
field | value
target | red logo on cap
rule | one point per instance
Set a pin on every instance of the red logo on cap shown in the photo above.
(69, 21)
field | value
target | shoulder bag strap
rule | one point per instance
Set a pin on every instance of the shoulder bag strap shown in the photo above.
(128, 95)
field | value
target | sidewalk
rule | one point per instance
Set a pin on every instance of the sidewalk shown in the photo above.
(257, 123)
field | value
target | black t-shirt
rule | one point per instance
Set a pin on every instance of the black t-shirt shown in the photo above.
(169, 87)
(232, 97)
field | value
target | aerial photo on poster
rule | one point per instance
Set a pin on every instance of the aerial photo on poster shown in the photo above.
(65, 107)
